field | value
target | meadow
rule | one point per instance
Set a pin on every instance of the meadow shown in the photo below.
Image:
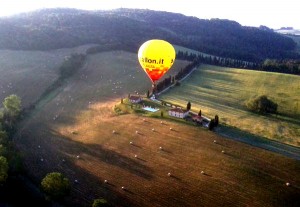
(224, 91)
(73, 133)
(29, 73)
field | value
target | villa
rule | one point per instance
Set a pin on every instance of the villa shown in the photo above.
(178, 112)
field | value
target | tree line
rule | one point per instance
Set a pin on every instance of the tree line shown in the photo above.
(10, 161)
(288, 66)
(196, 60)
(282, 66)
(54, 186)
(174, 80)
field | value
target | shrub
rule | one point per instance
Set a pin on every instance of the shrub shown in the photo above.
(100, 203)
(55, 185)
(261, 104)
(3, 169)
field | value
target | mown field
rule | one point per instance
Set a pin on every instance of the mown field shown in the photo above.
(29, 73)
(224, 91)
(72, 134)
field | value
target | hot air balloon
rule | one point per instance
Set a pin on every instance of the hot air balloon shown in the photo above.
(156, 58)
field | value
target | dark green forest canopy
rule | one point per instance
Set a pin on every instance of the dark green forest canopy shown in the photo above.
(129, 28)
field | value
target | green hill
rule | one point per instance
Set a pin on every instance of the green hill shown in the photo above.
(224, 91)
(129, 28)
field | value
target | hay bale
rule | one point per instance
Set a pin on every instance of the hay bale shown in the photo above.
(130, 142)
(215, 141)
(202, 172)
(77, 156)
(160, 148)
(135, 156)
(123, 188)
(153, 129)
(42, 160)
(171, 128)
(287, 184)
(113, 131)
(223, 151)
(136, 132)
(161, 122)
(105, 181)
(169, 174)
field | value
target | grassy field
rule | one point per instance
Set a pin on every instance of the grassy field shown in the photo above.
(224, 91)
(73, 133)
(29, 73)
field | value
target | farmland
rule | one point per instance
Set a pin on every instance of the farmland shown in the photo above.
(29, 73)
(72, 134)
(224, 91)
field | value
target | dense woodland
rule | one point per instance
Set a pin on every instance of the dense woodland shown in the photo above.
(129, 28)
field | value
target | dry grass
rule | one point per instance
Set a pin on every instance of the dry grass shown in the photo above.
(224, 91)
(29, 73)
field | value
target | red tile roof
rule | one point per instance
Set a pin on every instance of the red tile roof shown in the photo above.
(179, 110)
(135, 98)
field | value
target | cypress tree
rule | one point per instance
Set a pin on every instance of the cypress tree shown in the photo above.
(216, 120)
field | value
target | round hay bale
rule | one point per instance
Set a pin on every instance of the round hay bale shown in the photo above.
(202, 172)
(287, 184)
(171, 128)
(113, 131)
(76, 181)
(136, 132)
(105, 181)
(77, 156)
(223, 151)
(123, 187)
(42, 160)
(135, 156)
(153, 129)
(130, 142)
(161, 122)
(169, 174)
(215, 141)
(160, 148)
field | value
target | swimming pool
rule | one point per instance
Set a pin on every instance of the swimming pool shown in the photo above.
(150, 109)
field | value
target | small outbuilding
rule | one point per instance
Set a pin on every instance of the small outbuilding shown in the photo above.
(197, 118)
(135, 99)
